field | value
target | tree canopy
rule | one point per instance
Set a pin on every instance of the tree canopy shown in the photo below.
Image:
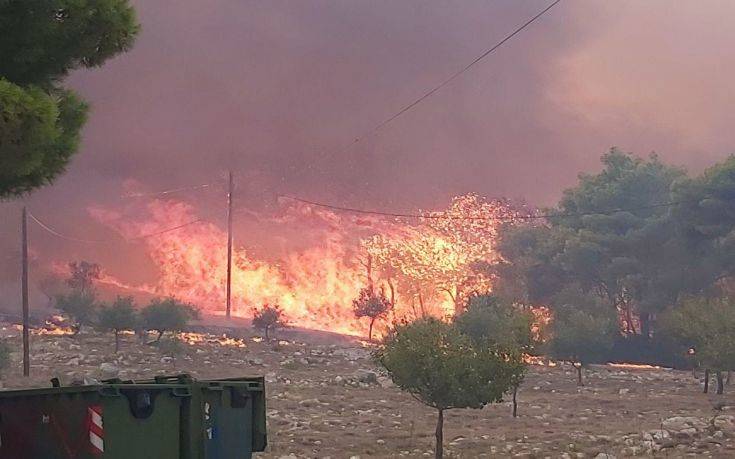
(42, 41)
(612, 236)
(443, 368)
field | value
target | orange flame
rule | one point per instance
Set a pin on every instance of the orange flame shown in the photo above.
(315, 285)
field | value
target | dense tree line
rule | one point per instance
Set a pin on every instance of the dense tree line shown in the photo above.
(631, 244)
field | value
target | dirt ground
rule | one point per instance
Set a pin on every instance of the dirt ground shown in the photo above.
(329, 400)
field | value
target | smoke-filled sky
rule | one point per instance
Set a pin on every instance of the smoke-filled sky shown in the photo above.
(275, 90)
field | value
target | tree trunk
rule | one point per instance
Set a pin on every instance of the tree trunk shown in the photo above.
(117, 341)
(440, 435)
(727, 380)
(706, 380)
(160, 334)
(370, 330)
(267, 338)
(645, 319)
(579, 374)
(421, 304)
(720, 385)
(515, 401)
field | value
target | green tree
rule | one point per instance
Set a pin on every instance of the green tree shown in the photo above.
(42, 41)
(581, 330)
(373, 305)
(707, 325)
(444, 369)
(268, 318)
(613, 236)
(120, 315)
(168, 314)
(490, 319)
(80, 307)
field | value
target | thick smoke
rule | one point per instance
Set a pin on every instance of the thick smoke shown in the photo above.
(274, 91)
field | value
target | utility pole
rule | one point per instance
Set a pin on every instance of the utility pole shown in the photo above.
(229, 247)
(24, 287)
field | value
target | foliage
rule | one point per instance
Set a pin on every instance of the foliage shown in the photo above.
(42, 41)
(494, 319)
(79, 306)
(39, 132)
(633, 260)
(708, 326)
(82, 275)
(168, 314)
(582, 330)
(120, 315)
(267, 318)
(371, 304)
(444, 369)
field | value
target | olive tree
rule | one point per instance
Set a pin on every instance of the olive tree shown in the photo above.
(445, 369)
(706, 325)
(168, 314)
(120, 315)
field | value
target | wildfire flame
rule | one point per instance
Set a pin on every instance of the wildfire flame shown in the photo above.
(428, 265)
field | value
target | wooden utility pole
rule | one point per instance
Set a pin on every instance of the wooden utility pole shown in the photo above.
(24, 287)
(229, 247)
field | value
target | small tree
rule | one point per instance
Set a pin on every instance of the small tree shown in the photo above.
(269, 317)
(497, 322)
(581, 336)
(706, 325)
(79, 306)
(168, 314)
(372, 305)
(120, 315)
(444, 369)
(82, 276)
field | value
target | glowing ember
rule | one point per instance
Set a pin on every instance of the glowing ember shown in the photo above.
(635, 366)
(427, 267)
(205, 338)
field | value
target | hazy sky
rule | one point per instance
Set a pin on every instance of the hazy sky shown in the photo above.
(275, 89)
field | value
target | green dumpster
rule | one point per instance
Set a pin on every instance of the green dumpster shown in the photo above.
(225, 418)
(110, 421)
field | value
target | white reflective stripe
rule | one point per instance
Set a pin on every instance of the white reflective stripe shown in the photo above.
(96, 441)
(96, 418)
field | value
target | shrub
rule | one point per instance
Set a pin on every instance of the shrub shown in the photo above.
(267, 318)
(372, 305)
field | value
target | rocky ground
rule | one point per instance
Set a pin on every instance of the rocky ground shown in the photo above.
(326, 399)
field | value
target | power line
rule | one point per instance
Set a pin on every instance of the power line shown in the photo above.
(443, 216)
(166, 192)
(445, 82)
(99, 241)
